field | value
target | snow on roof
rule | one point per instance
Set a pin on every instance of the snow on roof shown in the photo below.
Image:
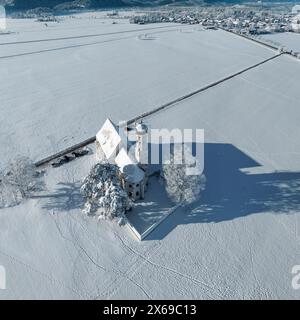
(109, 138)
(131, 171)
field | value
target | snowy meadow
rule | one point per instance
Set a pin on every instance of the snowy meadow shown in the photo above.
(238, 240)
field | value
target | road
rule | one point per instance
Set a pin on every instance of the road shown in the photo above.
(160, 108)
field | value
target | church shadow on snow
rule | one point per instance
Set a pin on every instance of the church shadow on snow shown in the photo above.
(232, 193)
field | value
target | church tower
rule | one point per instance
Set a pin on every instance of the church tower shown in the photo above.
(141, 147)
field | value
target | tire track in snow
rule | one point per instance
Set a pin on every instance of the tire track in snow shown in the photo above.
(61, 48)
(134, 266)
(45, 275)
(108, 292)
(147, 260)
(87, 35)
(92, 260)
(103, 293)
(76, 45)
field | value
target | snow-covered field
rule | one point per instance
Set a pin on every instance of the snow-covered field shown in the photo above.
(62, 94)
(238, 241)
(287, 39)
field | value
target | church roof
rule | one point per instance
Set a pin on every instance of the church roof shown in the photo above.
(109, 138)
(131, 171)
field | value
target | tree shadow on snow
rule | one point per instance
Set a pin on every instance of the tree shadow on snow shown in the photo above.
(232, 193)
(66, 197)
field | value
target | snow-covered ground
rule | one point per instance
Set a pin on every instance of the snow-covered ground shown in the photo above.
(62, 94)
(287, 39)
(238, 241)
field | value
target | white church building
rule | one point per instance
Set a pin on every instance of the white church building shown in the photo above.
(109, 146)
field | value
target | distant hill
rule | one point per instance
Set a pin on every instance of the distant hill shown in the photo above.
(31, 4)
(93, 4)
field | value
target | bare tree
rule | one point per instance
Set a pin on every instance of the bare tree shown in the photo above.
(181, 187)
(103, 192)
(18, 181)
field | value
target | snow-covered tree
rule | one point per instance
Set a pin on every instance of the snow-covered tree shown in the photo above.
(19, 180)
(181, 187)
(103, 192)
